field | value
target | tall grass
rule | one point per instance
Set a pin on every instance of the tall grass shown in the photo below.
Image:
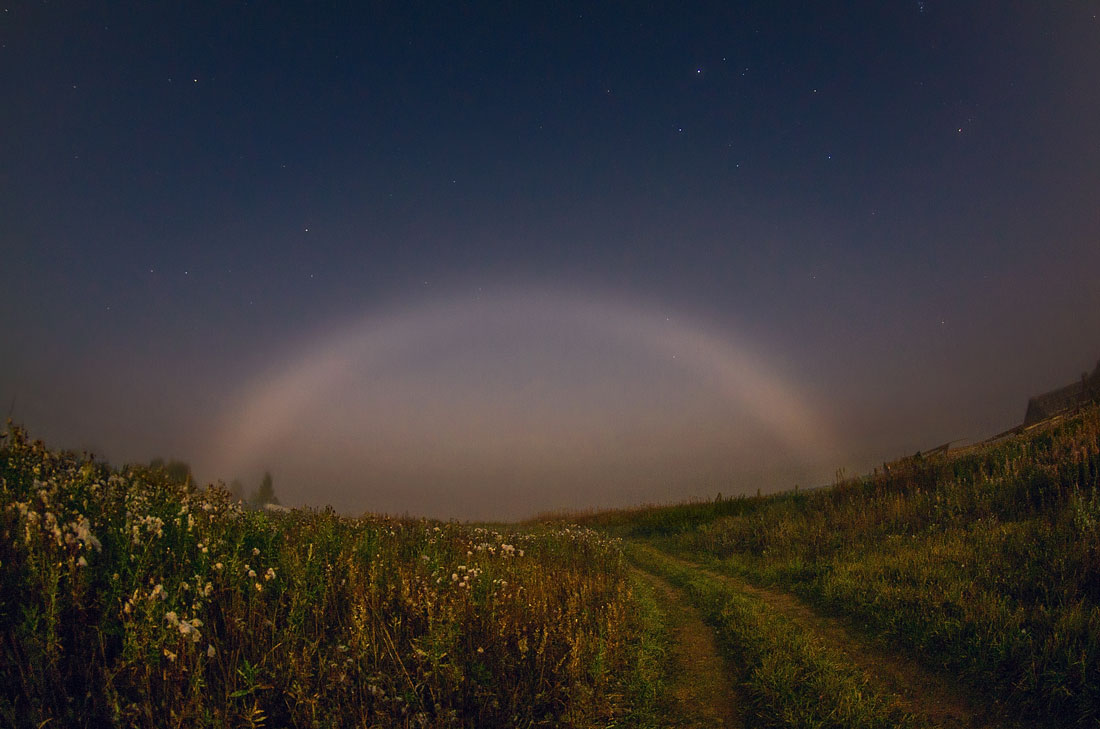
(129, 600)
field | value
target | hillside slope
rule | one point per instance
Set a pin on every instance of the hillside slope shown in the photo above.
(983, 565)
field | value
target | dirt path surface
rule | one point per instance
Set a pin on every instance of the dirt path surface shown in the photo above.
(918, 690)
(701, 692)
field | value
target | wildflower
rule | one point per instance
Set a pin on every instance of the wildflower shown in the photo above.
(82, 562)
(169, 655)
(219, 566)
(158, 591)
(270, 574)
(210, 651)
(191, 628)
(259, 587)
(255, 552)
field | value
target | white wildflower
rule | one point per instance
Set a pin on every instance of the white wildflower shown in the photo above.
(191, 628)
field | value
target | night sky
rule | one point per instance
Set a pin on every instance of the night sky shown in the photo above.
(485, 260)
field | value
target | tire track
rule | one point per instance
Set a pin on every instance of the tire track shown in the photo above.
(701, 692)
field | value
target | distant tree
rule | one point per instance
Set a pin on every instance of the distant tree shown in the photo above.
(175, 470)
(266, 493)
(178, 471)
(236, 488)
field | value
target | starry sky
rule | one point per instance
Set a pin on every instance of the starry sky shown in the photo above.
(484, 260)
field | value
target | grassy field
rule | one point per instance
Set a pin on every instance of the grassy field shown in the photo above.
(127, 599)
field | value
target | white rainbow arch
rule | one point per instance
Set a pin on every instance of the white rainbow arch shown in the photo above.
(269, 407)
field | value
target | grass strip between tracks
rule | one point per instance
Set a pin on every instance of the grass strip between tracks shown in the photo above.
(789, 678)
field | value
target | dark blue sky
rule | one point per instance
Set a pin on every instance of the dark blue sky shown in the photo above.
(894, 204)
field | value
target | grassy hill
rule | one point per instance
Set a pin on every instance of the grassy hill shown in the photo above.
(985, 565)
(127, 599)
